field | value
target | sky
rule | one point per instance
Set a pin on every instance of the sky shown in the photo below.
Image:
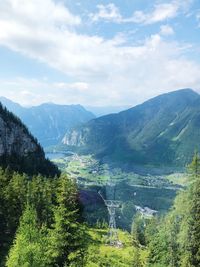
(97, 53)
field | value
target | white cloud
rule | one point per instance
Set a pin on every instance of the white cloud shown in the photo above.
(166, 30)
(46, 12)
(160, 12)
(104, 72)
(107, 12)
(34, 92)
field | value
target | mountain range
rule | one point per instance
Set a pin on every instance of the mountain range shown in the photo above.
(49, 122)
(164, 130)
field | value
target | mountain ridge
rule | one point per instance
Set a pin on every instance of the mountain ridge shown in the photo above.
(48, 121)
(156, 132)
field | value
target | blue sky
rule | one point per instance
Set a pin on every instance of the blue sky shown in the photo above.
(98, 52)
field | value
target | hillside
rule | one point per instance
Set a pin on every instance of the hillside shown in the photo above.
(100, 254)
(157, 132)
(19, 150)
(49, 122)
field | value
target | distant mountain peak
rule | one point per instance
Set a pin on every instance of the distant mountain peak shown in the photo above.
(184, 91)
(5, 100)
(48, 121)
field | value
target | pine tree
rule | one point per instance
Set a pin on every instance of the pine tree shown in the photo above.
(138, 230)
(4, 180)
(29, 248)
(67, 235)
(15, 197)
(173, 247)
(194, 219)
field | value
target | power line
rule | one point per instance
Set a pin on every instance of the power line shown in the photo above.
(112, 205)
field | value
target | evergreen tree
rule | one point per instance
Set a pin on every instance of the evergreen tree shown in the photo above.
(176, 243)
(12, 194)
(4, 180)
(66, 236)
(15, 197)
(158, 246)
(42, 194)
(138, 230)
(173, 245)
(194, 219)
(29, 248)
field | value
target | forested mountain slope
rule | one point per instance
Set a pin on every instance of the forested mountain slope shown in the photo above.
(162, 131)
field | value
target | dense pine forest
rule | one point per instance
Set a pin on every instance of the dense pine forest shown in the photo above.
(41, 225)
(40, 221)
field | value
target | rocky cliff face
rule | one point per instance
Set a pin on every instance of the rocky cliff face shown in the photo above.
(75, 137)
(19, 149)
(14, 139)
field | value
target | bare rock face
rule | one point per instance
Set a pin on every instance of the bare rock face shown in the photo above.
(19, 150)
(73, 138)
(14, 139)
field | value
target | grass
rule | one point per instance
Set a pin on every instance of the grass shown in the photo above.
(178, 179)
(101, 254)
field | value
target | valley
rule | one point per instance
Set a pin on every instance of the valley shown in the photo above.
(156, 192)
(99, 206)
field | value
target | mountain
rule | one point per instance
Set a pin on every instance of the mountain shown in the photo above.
(19, 150)
(49, 122)
(101, 111)
(164, 130)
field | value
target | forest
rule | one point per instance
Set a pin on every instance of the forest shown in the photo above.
(41, 224)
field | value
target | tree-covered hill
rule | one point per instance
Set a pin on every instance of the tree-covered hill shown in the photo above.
(157, 132)
(19, 150)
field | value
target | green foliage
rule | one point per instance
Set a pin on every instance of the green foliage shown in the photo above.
(194, 219)
(100, 254)
(138, 230)
(176, 241)
(29, 248)
(32, 163)
(41, 225)
(49, 232)
(66, 235)
(136, 259)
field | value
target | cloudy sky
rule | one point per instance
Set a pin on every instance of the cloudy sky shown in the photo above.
(97, 52)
